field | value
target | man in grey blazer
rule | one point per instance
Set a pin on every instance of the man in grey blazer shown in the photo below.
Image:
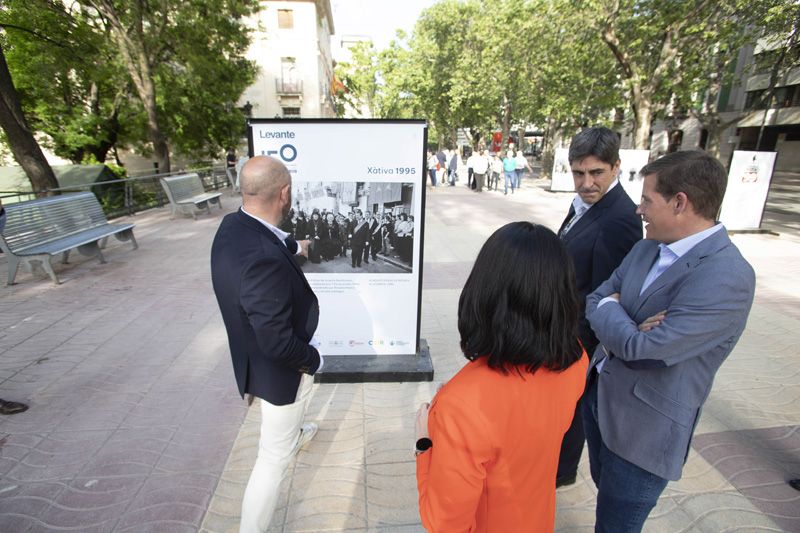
(666, 319)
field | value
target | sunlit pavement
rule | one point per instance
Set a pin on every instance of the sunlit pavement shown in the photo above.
(135, 423)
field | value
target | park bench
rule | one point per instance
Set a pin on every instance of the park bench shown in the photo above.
(187, 194)
(37, 230)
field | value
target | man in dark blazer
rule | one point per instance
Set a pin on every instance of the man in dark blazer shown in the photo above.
(270, 314)
(667, 318)
(359, 238)
(376, 238)
(372, 226)
(598, 232)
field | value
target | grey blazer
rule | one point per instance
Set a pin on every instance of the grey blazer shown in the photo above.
(654, 384)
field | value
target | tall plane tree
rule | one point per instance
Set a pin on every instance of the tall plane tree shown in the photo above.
(20, 138)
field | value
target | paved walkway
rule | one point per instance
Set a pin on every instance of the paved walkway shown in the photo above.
(135, 424)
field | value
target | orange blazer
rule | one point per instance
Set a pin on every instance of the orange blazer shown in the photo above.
(496, 439)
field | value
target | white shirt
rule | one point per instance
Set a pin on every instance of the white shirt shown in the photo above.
(480, 165)
(581, 208)
(281, 235)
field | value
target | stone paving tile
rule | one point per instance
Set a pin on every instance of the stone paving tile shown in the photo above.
(336, 402)
(392, 493)
(725, 511)
(389, 439)
(326, 498)
(756, 408)
(758, 463)
(337, 443)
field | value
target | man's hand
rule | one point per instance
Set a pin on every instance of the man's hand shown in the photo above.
(303, 247)
(652, 321)
(615, 296)
(421, 422)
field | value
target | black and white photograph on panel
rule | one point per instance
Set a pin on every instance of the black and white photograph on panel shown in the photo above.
(353, 226)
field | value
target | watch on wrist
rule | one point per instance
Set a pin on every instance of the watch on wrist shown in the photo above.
(423, 445)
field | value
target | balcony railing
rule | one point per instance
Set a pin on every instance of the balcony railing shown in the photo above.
(288, 87)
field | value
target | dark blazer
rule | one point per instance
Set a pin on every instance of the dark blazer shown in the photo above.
(269, 309)
(360, 235)
(597, 244)
(654, 383)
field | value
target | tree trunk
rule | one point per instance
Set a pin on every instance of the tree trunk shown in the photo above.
(714, 139)
(132, 47)
(506, 124)
(20, 138)
(643, 115)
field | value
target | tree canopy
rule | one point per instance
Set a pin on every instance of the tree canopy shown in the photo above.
(488, 65)
(96, 75)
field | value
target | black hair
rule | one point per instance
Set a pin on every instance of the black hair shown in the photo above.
(519, 307)
(599, 142)
(700, 176)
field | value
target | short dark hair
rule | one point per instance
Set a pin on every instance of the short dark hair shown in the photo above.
(600, 142)
(700, 176)
(519, 307)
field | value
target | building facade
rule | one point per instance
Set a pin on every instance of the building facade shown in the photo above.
(742, 105)
(291, 45)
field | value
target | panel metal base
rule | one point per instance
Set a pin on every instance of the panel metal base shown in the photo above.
(377, 368)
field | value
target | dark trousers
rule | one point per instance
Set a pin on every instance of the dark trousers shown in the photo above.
(366, 252)
(357, 253)
(478, 181)
(469, 178)
(571, 446)
(626, 493)
(375, 246)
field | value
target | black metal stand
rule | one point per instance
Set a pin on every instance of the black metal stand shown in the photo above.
(377, 368)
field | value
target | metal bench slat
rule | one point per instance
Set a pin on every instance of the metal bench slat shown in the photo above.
(186, 193)
(39, 229)
(73, 241)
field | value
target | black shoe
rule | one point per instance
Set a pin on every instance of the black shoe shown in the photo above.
(795, 483)
(564, 481)
(12, 408)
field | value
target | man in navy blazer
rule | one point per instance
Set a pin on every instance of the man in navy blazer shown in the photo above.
(600, 229)
(270, 314)
(667, 318)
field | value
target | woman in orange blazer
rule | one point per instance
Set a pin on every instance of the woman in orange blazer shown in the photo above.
(488, 444)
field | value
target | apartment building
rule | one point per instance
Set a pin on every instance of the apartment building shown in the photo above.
(292, 48)
(742, 106)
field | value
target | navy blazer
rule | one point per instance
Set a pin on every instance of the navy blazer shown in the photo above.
(598, 243)
(269, 309)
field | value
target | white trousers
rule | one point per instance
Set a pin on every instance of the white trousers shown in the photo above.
(280, 431)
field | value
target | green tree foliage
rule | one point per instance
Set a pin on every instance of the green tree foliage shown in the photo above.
(71, 87)
(561, 64)
(679, 51)
(488, 65)
(98, 75)
(18, 134)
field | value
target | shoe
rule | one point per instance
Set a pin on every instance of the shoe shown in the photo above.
(564, 481)
(307, 432)
(795, 483)
(12, 408)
